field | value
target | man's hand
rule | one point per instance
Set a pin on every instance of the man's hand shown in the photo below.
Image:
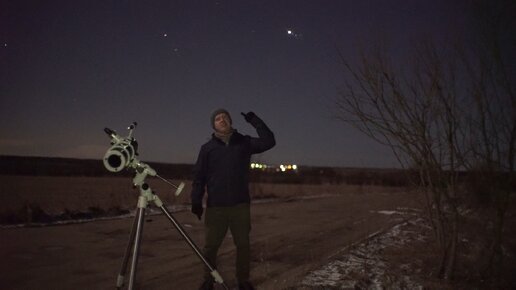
(249, 116)
(197, 210)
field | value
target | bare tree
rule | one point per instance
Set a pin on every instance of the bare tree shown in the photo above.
(418, 118)
(454, 109)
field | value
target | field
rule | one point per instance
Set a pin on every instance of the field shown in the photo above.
(305, 236)
(22, 196)
(289, 237)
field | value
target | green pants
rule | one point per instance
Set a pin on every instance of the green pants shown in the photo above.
(217, 222)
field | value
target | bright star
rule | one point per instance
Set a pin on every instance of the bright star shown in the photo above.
(294, 34)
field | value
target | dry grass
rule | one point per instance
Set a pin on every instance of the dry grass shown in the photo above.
(55, 194)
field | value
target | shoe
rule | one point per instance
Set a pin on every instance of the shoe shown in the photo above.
(206, 285)
(245, 286)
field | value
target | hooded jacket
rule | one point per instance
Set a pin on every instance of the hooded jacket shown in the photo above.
(222, 170)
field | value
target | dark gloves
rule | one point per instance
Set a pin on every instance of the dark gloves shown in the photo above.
(251, 118)
(197, 210)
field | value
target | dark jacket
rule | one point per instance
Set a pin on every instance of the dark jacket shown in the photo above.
(224, 169)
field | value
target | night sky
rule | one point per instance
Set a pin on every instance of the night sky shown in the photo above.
(71, 68)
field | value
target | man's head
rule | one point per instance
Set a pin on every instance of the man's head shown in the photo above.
(221, 121)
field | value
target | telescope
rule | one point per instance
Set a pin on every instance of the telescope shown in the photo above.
(122, 154)
(122, 151)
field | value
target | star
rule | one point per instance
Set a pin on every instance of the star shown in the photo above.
(165, 35)
(294, 34)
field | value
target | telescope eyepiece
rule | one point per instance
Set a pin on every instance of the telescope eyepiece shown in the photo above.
(109, 131)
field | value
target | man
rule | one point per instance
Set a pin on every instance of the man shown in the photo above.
(223, 169)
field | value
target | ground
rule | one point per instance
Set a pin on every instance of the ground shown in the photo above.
(294, 243)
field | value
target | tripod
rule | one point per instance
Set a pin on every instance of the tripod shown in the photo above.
(146, 196)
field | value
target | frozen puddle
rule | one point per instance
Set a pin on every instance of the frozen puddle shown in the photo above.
(362, 267)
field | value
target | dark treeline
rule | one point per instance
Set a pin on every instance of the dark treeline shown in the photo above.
(54, 166)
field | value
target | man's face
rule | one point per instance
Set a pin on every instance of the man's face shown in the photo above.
(222, 123)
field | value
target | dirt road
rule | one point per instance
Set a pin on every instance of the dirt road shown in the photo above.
(288, 239)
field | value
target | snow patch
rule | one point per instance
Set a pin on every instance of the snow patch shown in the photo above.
(363, 266)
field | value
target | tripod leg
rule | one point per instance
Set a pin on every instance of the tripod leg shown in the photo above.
(194, 247)
(136, 248)
(123, 270)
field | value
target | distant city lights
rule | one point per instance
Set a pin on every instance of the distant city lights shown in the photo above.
(276, 168)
